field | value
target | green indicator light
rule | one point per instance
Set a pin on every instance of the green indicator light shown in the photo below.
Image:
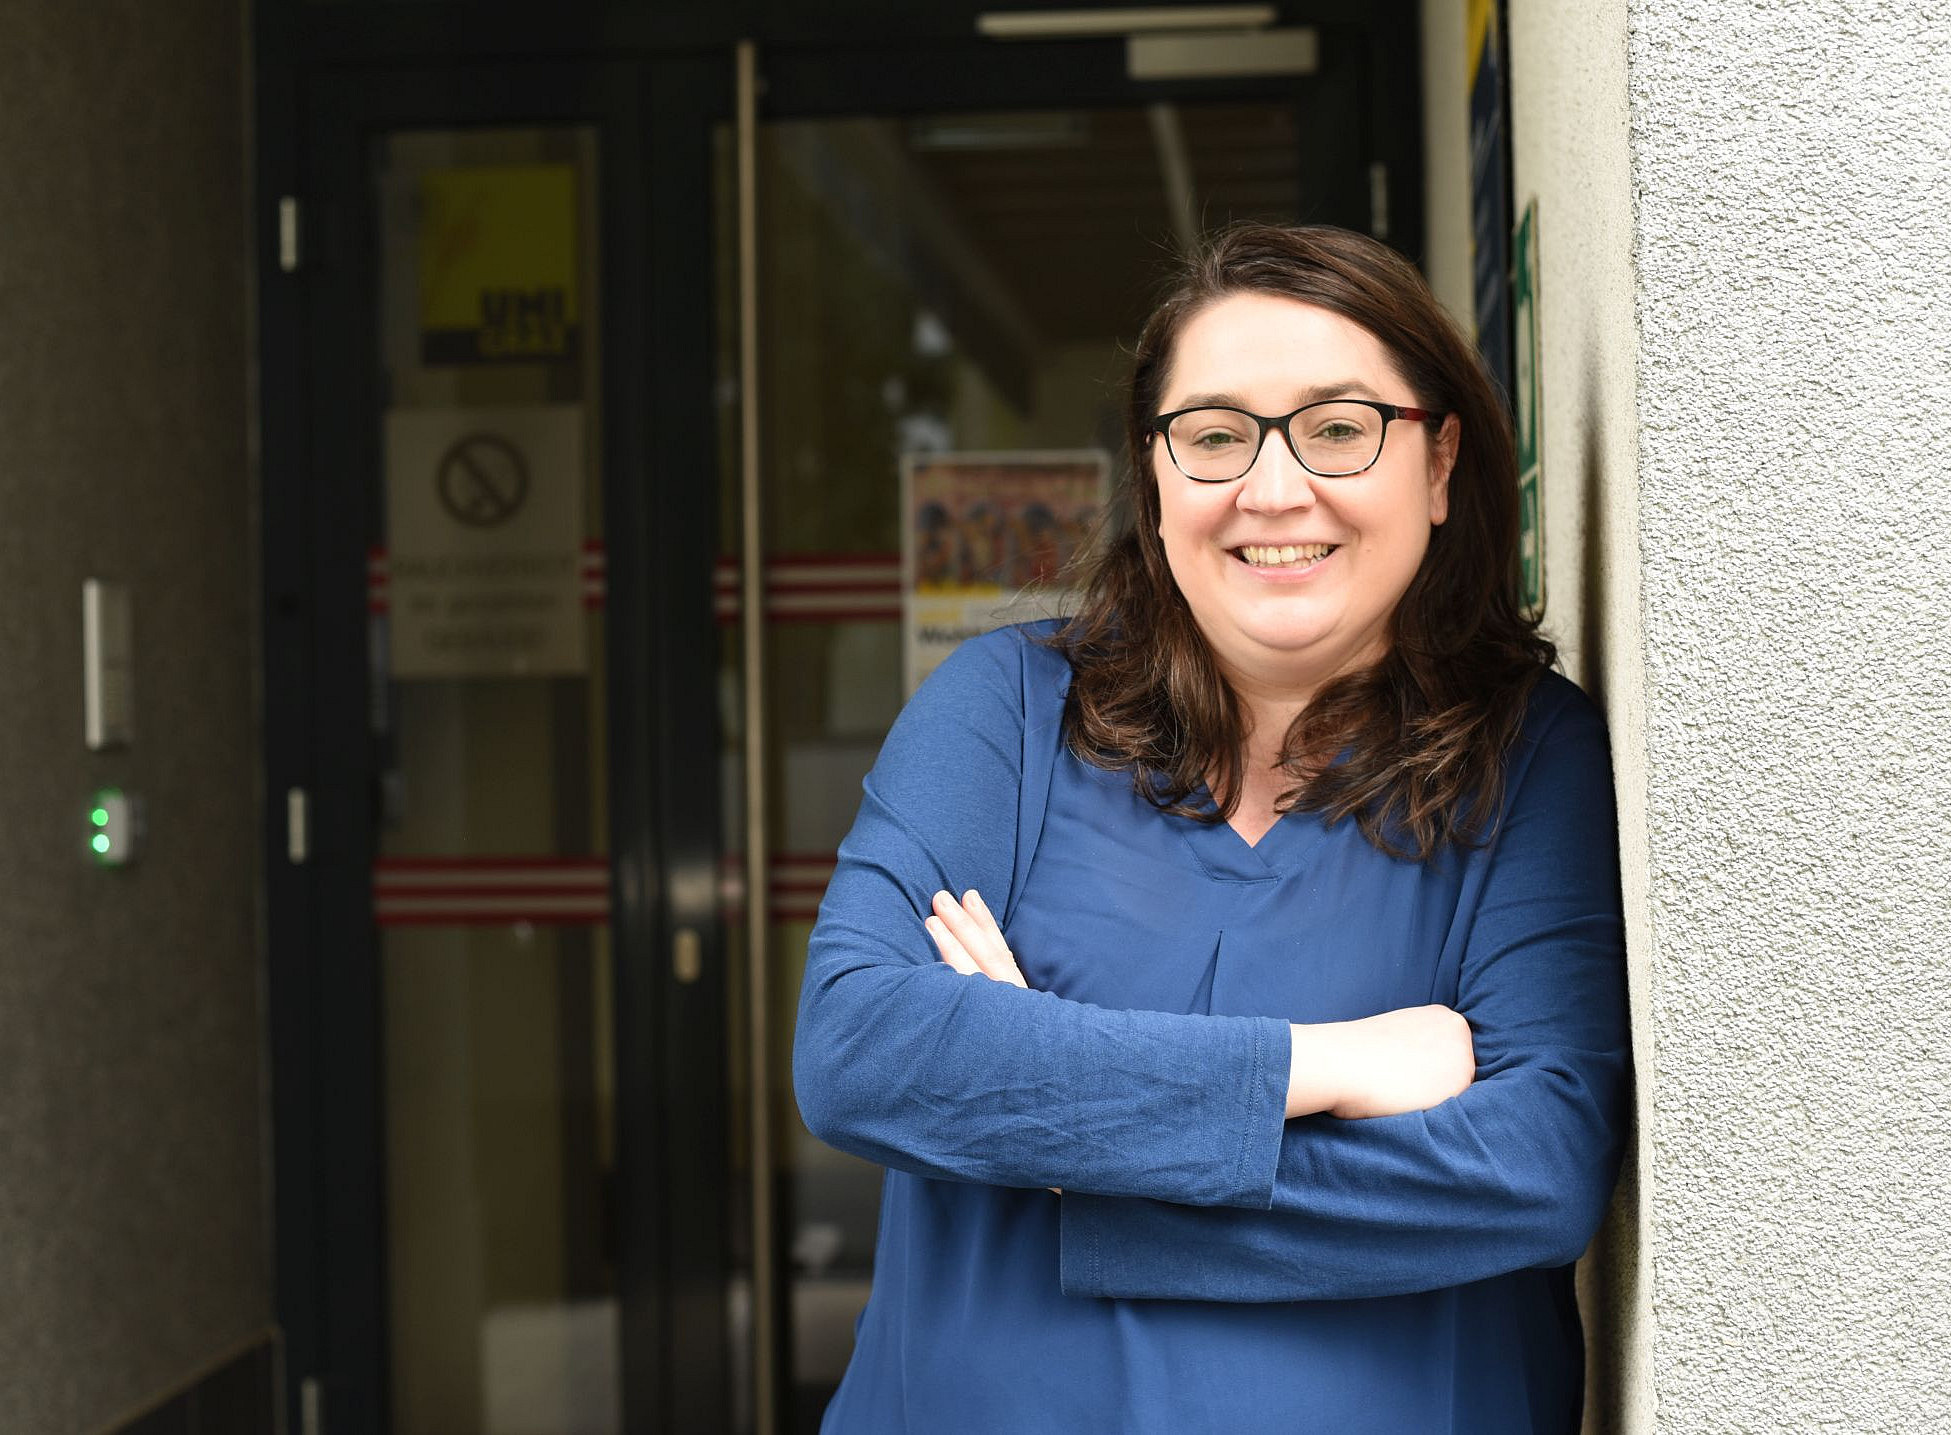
(99, 816)
(100, 844)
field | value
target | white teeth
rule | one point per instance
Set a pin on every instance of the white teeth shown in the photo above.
(1261, 556)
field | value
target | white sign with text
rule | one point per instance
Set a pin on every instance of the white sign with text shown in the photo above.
(484, 525)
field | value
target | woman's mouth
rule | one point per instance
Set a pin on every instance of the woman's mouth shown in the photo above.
(1306, 555)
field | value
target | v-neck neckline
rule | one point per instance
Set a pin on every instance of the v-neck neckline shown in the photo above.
(1225, 854)
(1255, 842)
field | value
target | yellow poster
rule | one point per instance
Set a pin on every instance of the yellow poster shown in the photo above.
(1479, 28)
(498, 264)
(989, 539)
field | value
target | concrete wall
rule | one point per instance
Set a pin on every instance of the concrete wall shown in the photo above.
(1749, 559)
(1789, 169)
(133, 1229)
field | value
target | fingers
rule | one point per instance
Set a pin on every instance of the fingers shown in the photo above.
(974, 927)
(952, 951)
(972, 930)
(989, 947)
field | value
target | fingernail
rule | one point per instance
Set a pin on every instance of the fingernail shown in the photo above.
(976, 897)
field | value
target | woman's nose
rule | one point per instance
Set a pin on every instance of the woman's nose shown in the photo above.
(1276, 483)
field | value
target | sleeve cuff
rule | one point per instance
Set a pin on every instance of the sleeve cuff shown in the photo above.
(1079, 1219)
(1263, 1115)
(1083, 1219)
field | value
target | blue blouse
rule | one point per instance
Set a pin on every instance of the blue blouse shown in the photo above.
(1210, 1265)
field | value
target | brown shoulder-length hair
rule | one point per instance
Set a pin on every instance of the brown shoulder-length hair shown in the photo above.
(1426, 728)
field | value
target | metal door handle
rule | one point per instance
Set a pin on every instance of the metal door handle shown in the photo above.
(687, 955)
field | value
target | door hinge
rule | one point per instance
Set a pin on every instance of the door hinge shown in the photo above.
(311, 1407)
(298, 824)
(288, 233)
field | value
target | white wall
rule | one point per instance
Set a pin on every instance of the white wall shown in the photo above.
(1569, 153)
(1790, 166)
(1748, 541)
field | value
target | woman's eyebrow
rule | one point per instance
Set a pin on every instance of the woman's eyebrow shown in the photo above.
(1314, 393)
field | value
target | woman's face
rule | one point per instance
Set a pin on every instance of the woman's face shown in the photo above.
(1280, 621)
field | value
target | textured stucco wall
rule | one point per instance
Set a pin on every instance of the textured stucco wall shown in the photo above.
(1569, 153)
(133, 1251)
(1790, 167)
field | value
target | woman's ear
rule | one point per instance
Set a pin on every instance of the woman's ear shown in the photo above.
(1442, 458)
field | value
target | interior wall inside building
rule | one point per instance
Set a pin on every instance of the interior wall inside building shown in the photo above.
(133, 1236)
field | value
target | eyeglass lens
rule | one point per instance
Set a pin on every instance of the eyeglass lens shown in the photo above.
(1331, 439)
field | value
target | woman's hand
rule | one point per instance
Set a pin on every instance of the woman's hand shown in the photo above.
(969, 940)
(1405, 1060)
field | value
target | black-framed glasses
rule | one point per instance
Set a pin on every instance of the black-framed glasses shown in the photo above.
(1337, 438)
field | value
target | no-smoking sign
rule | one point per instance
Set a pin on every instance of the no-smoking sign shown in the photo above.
(484, 541)
(483, 480)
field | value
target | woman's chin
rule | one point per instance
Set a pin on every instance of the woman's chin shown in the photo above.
(1299, 657)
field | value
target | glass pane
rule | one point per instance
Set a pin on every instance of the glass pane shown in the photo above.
(943, 283)
(491, 892)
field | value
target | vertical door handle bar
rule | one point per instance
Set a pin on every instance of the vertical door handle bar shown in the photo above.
(752, 624)
(298, 826)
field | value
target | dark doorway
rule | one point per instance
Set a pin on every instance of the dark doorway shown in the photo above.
(514, 1023)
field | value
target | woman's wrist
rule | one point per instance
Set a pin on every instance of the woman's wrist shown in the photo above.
(1315, 1067)
(1409, 1059)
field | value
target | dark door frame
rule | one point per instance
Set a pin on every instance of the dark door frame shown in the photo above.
(331, 77)
(321, 462)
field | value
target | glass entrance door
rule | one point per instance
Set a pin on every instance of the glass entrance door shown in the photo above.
(518, 905)
(945, 301)
(496, 965)
(491, 890)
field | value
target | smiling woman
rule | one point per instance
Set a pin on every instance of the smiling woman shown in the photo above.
(1403, 649)
(1292, 576)
(1282, 1074)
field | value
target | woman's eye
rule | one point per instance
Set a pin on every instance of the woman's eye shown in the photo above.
(1215, 439)
(1341, 432)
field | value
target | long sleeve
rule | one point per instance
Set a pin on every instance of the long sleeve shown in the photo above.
(900, 1060)
(1513, 1173)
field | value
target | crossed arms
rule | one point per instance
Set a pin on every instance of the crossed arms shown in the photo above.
(1188, 1166)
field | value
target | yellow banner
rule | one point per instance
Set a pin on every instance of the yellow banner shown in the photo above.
(1482, 15)
(498, 264)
